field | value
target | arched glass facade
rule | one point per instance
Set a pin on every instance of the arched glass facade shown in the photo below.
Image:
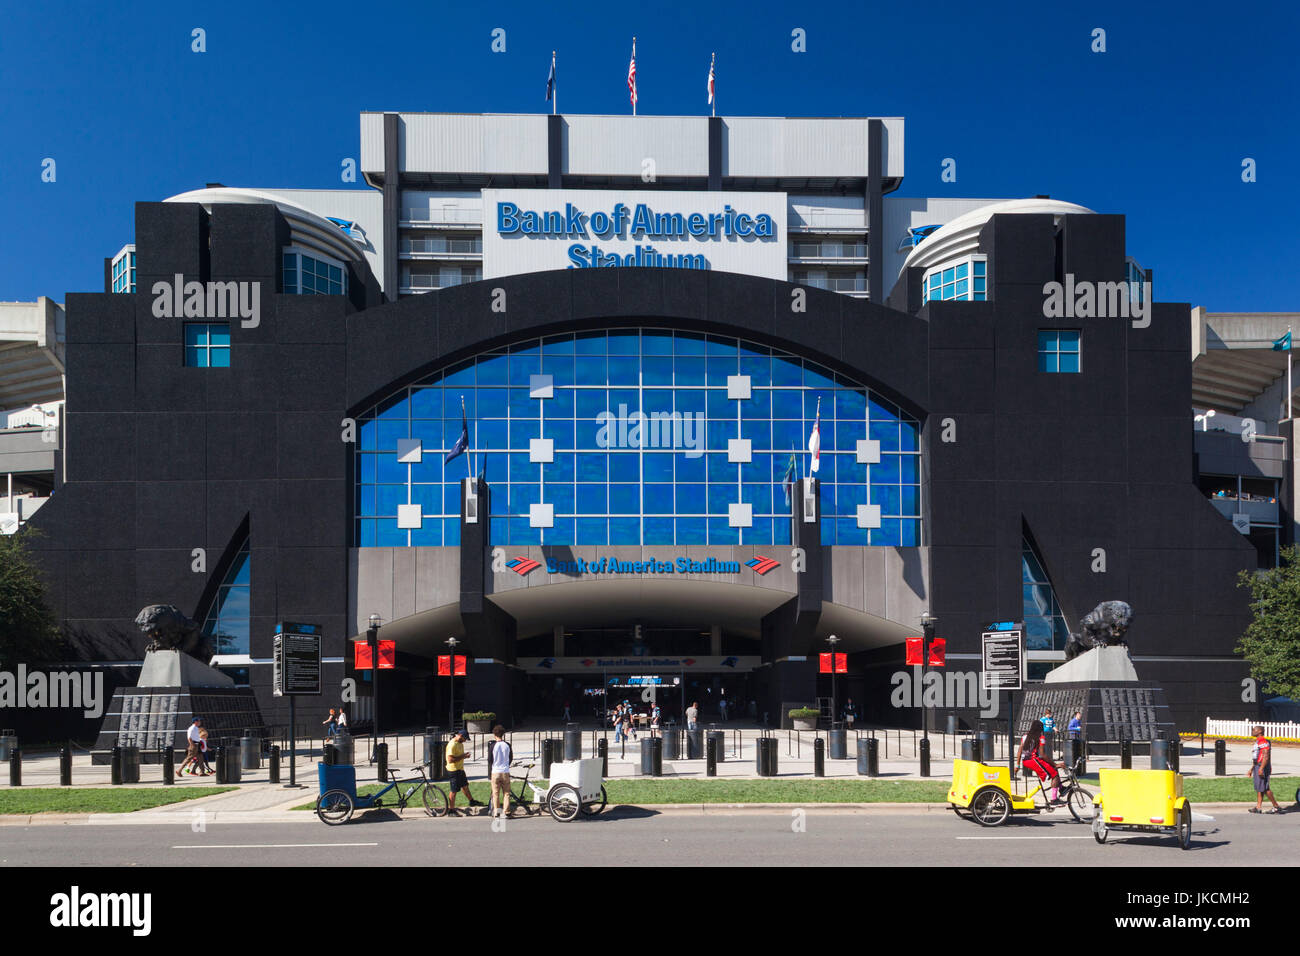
(636, 436)
(1045, 627)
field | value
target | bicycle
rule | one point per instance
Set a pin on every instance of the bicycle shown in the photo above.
(534, 798)
(336, 806)
(1074, 796)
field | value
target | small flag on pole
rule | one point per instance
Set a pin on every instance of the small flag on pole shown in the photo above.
(815, 439)
(631, 77)
(550, 86)
(462, 443)
(712, 58)
(791, 476)
(1284, 343)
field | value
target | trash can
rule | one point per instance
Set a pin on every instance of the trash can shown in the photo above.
(648, 749)
(435, 753)
(672, 743)
(967, 750)
(130, 764)
(695, 744)
(572, 742)
(720, 736)
(251, 749)
(761, 757)
(345, 750)
(951, 729)
(869, 756)
(839, 745)
(986, 747)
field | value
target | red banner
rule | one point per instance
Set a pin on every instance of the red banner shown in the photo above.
(460, 665)
(361, 658)
(915, 651)
(387, 655)
(445, 665)
(938, 650)
(840, 663)
(823, 663)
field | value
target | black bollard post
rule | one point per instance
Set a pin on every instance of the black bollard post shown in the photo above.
(873, 757)
(115, 767)
(169, 766)
(1220, 758)
(1175, 746)
(1125, 753)
(602, 751)
(222, 770)
(381, 758)
(65, 767)
(16, 767)
(548, 757)
(925, 756)
(275, 763)
(657, 755)
(819, 758)
(711, 757)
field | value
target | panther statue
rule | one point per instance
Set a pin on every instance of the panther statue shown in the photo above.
(1106, 625)
(168, 629)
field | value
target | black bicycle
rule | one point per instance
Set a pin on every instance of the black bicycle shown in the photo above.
(337, 806)
(1074, 796)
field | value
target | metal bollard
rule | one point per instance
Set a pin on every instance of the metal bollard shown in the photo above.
(65, 767)
(1175, 746)
(1125, 753)
(819, 758)
(657, 749)
(115, 766)
(873, 757)
(602, 751)
(711, 757)
(773, 752)
(925, 756)
(275, 763)
(381, 759)
(16, 767)
(1220, 758)
(169, 765)
(221, 764)
(761, 757)
(1160, 755)
(548, 757)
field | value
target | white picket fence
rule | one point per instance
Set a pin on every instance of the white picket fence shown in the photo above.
(1243, 728)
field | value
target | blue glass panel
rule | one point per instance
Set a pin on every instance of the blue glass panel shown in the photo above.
(592, 531)
(847, 498)
(428, 497)
(626, 499)
(656, 342)
(910, 500)
(590, 343)
(720, 533)
(850, 404)
(657, 400)
(523, 495)
(426, 403)
(658, 499)
(689, 401)
(909, 437)
(718, 433)
(758, 368)
(524, 430)
(365, 503)
(219, 335)
(451, 531)
(909, 469)
(689, 499)
(367, 468)
(390, 431)
(559, 470)
(591, 499)
(451, 499)
(493, 402)
(389, 470)
(720, 369)
(658, 530)
(758, 432)
(196, 358)
(1069, 361)
(521, 469)
(462, 376)
(658, 466)
(885, 471)
(624, 370)
(719, 469)
(196, 333)
(561, 495)
(591, 402)
(219, 358)
(624, 531)
(389, 536)
(881, 410)
(829, 498)
(690, 370)
(948, 275)
(625, 466)
(1047, 361)
(493, 370)
(560, 368)
(718, 405)
(688, 468)
(691, 531)
(366, 533)
(787, 404)
(621, 397)
(656, 370)
(960, 289)
(387, 498)
(887, 497)
(558, 345)
(522, 367)
(560, 432)
(522, 405)
(815, 376)
(689, 343)
(589, 370)
(886, 433)
(483, 435)
(522, 534)
(760, 533)
(592, 467)
(760, 496)
(786, 371)
(788, 436)
(847, 532)
(720, 496)
(848, 434)
(429, 534)
(625, 342)
(1046, 340)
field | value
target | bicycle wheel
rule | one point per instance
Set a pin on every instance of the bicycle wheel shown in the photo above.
(593, 808)
(1080, 803)
(1185, 826)
(564, 802)
(990, 807)
(334, 807)
(435, 800)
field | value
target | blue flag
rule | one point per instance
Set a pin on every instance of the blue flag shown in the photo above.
(1284, 343)
(550, 80)
(791, 475)
(462, 443)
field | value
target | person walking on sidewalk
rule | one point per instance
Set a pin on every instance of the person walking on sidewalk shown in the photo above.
(1261, 768)
(342, 723)
(692, 715)
(502, 756)
(192, 739)
(331, 725)
(457, 782)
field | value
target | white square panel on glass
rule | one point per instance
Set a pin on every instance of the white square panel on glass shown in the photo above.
(868, 451)
(868, 516)
(739, 450)
(541, 386)
(541, 450)
(409, 451)
(738, 386)
(541, 516)
(408, 516)
(740, 515)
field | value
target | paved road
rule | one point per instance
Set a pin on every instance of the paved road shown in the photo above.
(631, 836)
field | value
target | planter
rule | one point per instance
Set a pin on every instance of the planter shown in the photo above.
(478, 726)
(804, 723)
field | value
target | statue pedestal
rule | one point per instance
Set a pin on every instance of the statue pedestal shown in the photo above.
(173, 689)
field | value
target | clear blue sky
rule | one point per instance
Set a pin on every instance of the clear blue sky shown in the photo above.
(1155, 128)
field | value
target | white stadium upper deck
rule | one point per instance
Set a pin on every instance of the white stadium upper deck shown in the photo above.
(512, 149)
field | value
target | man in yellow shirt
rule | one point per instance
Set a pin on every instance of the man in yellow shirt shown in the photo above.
(457, 782)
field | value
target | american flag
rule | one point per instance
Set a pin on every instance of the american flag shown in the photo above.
(711, 59)
(631, 76)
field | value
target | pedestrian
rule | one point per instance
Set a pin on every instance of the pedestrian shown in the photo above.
(1261, 767)
(1049, 731)
(457, 782)
(192, 740)
(722, 708)
(331, 725)
(205, 769)
(629, 725)
(342, 723)
(568, 712)
(1075, 726)
(617, 720)
(654, 720)
(850, 713)
(693, 715)
(499, 761)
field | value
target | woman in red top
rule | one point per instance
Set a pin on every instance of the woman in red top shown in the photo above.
(1032, 758)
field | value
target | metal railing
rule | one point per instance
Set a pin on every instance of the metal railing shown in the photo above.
(444, 246)
(442, 214)
(844, 284)
(828, 250)
(416, 280)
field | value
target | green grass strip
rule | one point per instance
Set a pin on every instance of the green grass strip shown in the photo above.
(94, 800)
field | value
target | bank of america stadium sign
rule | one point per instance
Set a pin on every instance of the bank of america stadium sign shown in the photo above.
(607, 565)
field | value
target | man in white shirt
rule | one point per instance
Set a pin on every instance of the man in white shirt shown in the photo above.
(193, 739)
(692, 716)
(499, 772)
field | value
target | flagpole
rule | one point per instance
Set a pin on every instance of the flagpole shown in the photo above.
(555, 88)
(1288, 372)
(634, 63)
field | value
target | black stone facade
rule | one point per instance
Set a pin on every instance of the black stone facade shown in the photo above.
(163, 459)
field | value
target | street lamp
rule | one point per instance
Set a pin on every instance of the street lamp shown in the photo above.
(832, 641)
(451, 685)
(372, 640)
(928, 622)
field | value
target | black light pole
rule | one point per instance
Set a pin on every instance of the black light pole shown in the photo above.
(372, 639)
(928, 621)
(832, 641)
(451, 684)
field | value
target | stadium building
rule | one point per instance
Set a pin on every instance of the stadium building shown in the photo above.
(632, 327)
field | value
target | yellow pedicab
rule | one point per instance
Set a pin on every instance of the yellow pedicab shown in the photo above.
(1148, 801)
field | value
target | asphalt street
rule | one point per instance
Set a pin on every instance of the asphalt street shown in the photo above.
(633, 836)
